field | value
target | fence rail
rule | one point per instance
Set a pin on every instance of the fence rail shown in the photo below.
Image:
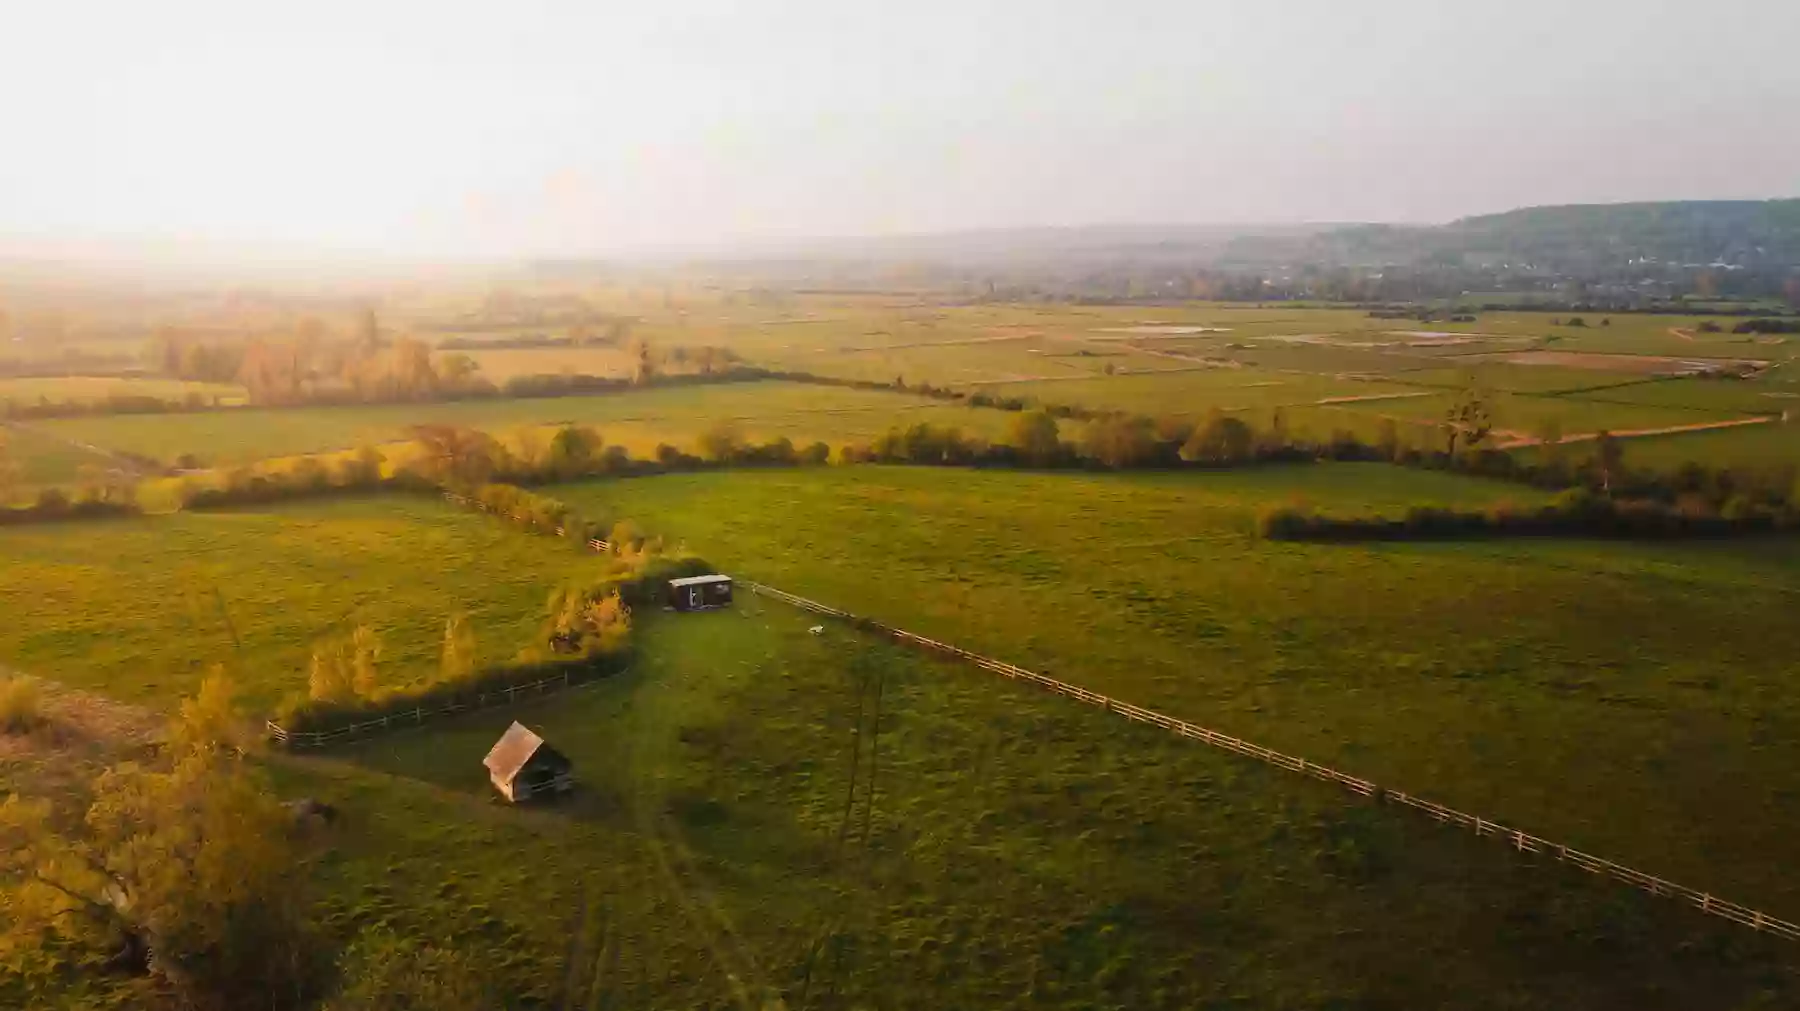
(414, 717)
(1519, 840)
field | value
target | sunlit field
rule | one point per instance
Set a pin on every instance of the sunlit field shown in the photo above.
(1018, 849)
(141, 609)
(1550, 685)
(636, 419)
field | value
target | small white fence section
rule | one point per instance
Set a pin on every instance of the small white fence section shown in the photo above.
(1522, 841)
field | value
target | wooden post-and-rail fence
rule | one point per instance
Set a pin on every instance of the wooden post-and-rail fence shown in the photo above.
(1519, 840)
(414, 717)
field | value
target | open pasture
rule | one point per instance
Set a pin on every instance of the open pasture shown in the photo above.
(636, 419)
(140, 609)
(1019, 849)
(87, 389)
(41, 461)
(500, 364)
(1515, 377)
(1196, 392)
(1714, 396)
(1773, 446)
(1523, 415)
(1549, 685)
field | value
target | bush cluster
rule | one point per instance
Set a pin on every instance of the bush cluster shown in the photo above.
(1579, 513)
(19, 709)
(1108, 442)
(316, 716)
(1767, 326)
(53, 506)
(112, 403)
(306, 477)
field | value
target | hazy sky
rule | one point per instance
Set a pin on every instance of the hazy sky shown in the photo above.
(507, 127)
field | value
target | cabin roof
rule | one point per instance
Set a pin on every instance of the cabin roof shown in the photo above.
(699, 580)
(514, 751)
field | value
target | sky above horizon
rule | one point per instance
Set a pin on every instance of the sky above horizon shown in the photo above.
(414, 127)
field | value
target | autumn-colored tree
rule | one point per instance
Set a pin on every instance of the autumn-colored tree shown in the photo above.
(459, 658)
(457, 371)
(413, 374)
(573, 448)
(583, 622)
(1470, 418)
(1119, 442)
(720, 442)
(365, 651)
(212, 721)
(1223, 439)
(643, 361)
(330, 678)
(185, 867)
(453, 455)
(346, 668)
(362, 469)
(1034, 435)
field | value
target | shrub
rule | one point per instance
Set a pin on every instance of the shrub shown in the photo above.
(19, 710)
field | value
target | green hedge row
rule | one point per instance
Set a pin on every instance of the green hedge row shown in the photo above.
(309, 716)
(1577, 514)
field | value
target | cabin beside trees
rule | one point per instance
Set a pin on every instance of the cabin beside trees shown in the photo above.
(522, 766)
(698, 593)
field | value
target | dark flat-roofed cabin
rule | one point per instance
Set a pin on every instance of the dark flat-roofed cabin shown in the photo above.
(522, 766)
(697, 593)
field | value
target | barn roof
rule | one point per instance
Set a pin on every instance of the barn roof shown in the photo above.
(515, 748)
(699, 580)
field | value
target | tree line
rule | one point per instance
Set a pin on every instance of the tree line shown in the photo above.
(1579, 512)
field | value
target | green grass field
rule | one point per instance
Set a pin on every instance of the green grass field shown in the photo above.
(638, 420)
(1525, 413)
(41, 461)
(1193, 393)
(1551, 685)
(85, 389)
(1771, 446)
(1020, 851)
(140, 609)
(500, 364)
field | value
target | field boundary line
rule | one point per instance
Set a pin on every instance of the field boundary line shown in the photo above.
(418, 715)
(1520, 840)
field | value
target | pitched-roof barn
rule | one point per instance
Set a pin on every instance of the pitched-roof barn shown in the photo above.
(522, 765)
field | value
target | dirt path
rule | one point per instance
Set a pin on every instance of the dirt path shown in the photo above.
(1365, 397)
(81, 733)
(1519, 442)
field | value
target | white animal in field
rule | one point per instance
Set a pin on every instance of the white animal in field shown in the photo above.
(817, 630)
